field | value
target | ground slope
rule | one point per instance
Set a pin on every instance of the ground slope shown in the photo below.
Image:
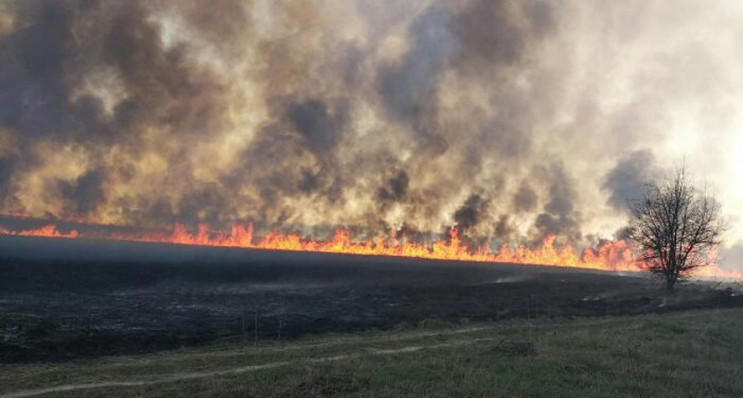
(685, 354)
(64, 299)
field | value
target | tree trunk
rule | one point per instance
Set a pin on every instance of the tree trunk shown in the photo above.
(670, 281)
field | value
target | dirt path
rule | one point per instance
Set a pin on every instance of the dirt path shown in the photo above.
(340, 341)
(244, 369)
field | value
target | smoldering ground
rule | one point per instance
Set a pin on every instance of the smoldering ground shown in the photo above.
(67, 300)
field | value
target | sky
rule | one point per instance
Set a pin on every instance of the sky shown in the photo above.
(508, 119)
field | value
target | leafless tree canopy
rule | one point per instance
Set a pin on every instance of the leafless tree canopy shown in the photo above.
(676, 228)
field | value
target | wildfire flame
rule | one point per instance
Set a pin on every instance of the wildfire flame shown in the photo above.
(607, 255)
(48, 231)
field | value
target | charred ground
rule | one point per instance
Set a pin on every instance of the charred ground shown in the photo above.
(62, 299)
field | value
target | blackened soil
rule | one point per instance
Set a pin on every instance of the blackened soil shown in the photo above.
(64, 299)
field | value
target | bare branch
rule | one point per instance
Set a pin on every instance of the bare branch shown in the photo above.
(676, 228)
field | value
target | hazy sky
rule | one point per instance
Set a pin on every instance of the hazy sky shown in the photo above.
(510, 119)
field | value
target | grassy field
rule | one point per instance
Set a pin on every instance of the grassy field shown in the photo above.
(688, 354)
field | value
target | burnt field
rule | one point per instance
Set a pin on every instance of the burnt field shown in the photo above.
(62, 299)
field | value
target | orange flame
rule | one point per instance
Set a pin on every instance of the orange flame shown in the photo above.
(607, 255)
(48, 231)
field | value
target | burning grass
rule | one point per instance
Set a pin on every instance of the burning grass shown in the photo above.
(606, 255)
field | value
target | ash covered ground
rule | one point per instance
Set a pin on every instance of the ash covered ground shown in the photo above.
(64, 299)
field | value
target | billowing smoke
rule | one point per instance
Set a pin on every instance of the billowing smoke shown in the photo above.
(525, 199)
(470, 213)
(395, 189)
(559, 216)
(629, 178)
(85, 194)
(506, 119)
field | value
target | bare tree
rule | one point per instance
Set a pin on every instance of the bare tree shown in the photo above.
(676, 228)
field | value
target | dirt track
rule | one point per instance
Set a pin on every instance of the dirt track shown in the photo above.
(243, 369)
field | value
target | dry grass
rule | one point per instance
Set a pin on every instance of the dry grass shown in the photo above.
(692, 354)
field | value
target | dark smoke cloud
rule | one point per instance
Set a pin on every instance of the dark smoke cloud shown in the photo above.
(378, 115)
(309, 181)
(223, 23)
(7, 168)
(320, 130)
(409, 90)
(493, 33)
(560, 216)
(525, 199)
(33, 99)
(59, 45)
(209, 204)
(164, 88)
(504, 228)
(395, 189)
(470, 213)
(629, 178)
(296, 153)
(85, 194)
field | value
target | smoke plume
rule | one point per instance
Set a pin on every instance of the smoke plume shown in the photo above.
(506, 119)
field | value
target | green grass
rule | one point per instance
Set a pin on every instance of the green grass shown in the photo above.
(691, 354)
